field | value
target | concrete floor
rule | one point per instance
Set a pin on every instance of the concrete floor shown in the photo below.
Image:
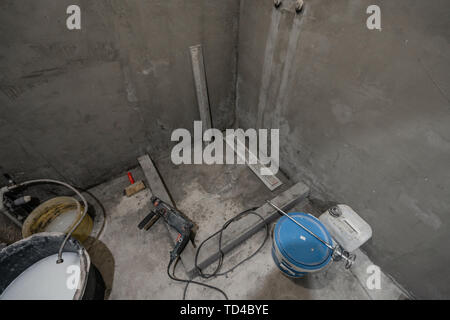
(133, 262)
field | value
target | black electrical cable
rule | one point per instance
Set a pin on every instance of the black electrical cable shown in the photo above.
(222, 255)
(173, 277)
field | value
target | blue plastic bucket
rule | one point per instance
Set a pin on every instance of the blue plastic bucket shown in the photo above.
(297, 252)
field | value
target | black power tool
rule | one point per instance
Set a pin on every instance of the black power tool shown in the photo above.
(174, 219)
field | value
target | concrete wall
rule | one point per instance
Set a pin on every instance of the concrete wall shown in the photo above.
(364, 118)
(364, 115)
(83, 105)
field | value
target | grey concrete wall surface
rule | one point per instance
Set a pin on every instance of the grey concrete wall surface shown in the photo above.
(364, 118)
(364, 115)
(82, 105)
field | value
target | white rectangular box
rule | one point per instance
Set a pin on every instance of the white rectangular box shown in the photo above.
(346, 227)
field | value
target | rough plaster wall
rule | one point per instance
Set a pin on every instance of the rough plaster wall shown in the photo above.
(364, 118)
(83, 105)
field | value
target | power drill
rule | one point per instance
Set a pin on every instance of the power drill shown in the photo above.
(174, 219)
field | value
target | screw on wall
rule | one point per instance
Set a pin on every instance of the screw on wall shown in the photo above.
(277, 3)
(299, 6)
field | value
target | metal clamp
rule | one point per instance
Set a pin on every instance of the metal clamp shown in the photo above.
(299, 6)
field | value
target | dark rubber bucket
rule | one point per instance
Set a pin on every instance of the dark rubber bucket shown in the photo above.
(18, 257)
